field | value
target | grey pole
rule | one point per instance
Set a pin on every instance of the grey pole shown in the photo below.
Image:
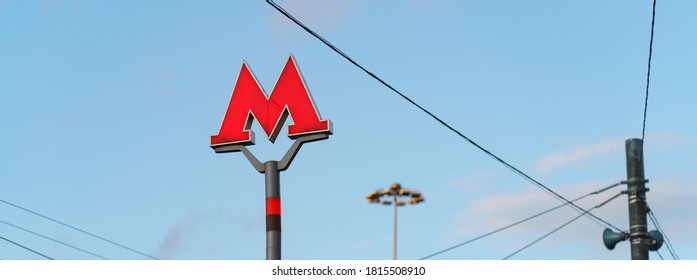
(273, 210)
(395, 191)
(394, 236)
(272, 171)
(636, 191)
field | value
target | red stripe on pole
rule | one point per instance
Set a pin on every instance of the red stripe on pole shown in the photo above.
(273, 206)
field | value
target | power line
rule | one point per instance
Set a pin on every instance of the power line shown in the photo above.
(654, 220)
(648, 73)
(562, 226)
(508, 165)
(78, 229)
(659, 255)
(671, 250)
(643, 127)
(54, 240)
(669, 245)
(548, 234)
(25, 248)
(519, 222)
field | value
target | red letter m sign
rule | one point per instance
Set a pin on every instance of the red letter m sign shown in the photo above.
(288, 97)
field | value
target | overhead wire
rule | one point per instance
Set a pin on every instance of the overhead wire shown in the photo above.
(78, 229)
(669, 246)
(654, 220)
(26, 248)
(659, 255)
(518, 222)
(52, 239)
(658, 227)
(648, 73)
(439, 120)
(562, 226)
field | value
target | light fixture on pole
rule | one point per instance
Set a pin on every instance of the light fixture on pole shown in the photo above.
(396, 192)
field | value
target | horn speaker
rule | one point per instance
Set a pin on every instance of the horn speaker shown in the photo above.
(656, 240)
(611, 238)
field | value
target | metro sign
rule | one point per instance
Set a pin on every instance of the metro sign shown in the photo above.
(249, 102)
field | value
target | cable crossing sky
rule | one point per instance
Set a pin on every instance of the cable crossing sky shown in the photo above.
(26, 248)
(519, 222)
(669, 246)
(562, 226)
(53, 240)
(439, 120)
(77, 229)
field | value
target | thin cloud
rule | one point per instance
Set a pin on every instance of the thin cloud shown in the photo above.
(475, 182)
(492, 213)
(577, 154)
(668, 199)
(665, 140)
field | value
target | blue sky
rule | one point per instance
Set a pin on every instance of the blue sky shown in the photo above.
(106, 111)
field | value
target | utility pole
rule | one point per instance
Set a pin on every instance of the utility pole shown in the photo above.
(641, 240)
(636, 192)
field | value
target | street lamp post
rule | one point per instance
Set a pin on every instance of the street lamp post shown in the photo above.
(396, 192)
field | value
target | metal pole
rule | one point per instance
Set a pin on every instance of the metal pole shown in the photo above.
(273, 210)
(394, 239)
(636, 191)
(272, 170)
